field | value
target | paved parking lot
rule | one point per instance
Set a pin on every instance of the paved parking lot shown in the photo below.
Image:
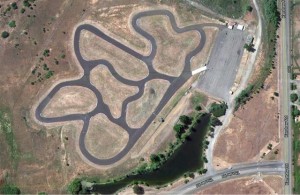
(223, 64)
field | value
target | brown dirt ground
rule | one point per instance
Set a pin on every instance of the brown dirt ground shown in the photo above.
(71, 100)
(113, 91)
(47, 160)
(169, 44)
(139, 111)
(247, 185)
(92, 47)
(256, 123)
(105, 139)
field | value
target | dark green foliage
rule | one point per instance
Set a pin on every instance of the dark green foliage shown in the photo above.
(138, 189)
(218, 109)
(5, 34)
(12, 24)
(26, 3)
(22, 10)
(186, 120)
(295, 111)
(271, 12)
(49, 74)
(249, 47)
(198, 108)
(9, 189)
(14, 5)
(294, 97)
(249, 8)
(46, 52)
(243, 97)
(215, 122)
(75, 186)
(179, 129)
(293, 86)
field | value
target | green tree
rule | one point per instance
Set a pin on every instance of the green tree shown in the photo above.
(198, 108)
(9, 189)
(294, 97)
(179, 129)
(14, 5)
(154, 158)
(75, 186)
(185, 119)
(5, 34)
(138, 189)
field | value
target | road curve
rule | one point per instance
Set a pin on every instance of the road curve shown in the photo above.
(268, 167)
(84, 81)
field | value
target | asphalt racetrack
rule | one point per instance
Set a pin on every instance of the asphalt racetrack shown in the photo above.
(84, 81)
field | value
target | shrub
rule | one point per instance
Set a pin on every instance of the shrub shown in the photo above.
(249, 8)
(138, 189)
(294, 97)
(9, 189)
(14, 5)
(12, 24)
(218, 109)
(5, 34)
(185, 119)
(75, 186)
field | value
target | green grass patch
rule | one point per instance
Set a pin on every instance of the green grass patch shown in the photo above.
(229, 8)
(197, 99)
(296, 151)
(9, 189)
(7, 131)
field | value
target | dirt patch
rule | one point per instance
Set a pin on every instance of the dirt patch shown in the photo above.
(171, 47)
(112, 91)
(92, 48)
(256, 123)
(202, 57)
(247, 185)
(71, 100)
(105, 139)
(139, 111)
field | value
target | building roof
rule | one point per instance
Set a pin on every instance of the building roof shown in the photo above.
(240, 27)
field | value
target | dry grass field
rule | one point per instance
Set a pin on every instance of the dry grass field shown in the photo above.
(113, 91)
(171, 46)
(44, 157)
(92, 48)
(105, 139)
(139, 111)
(71, 100)
(257, 123)
(247, 185)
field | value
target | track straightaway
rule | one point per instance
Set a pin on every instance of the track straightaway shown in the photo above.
(84, 81)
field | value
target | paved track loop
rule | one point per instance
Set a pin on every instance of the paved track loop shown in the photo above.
(84, 81)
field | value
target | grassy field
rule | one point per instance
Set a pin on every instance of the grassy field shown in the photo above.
(229, 8)
(7, 132)
(296, 152)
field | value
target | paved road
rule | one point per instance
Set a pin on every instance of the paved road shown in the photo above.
(271, 167)
(285, 93)
(134, 134)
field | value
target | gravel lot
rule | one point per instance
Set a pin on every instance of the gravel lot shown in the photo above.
(223, 64)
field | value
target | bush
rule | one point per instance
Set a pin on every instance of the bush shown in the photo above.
(75, 186)
(12, 24)
(138, 189)
(198, 108)
(294, 97)
(9, 189)
(14, 5)
(249, 8)
(179, 129)
(5, 34)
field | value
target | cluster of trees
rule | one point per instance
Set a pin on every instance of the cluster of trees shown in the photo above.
(218, 109)
(181, 127)
(243, 97)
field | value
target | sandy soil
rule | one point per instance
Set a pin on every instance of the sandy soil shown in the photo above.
(247, 185)
(171, 47)
(139, 111)
(71, 100)
(112, 91)
(92, 47)
(105, 139)
(256, 122)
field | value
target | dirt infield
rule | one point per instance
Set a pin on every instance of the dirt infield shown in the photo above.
(171, 46)
(92, 48)
(140, 110)
(247, 185)
(105, 139)
(71, 100)
(113, 91)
